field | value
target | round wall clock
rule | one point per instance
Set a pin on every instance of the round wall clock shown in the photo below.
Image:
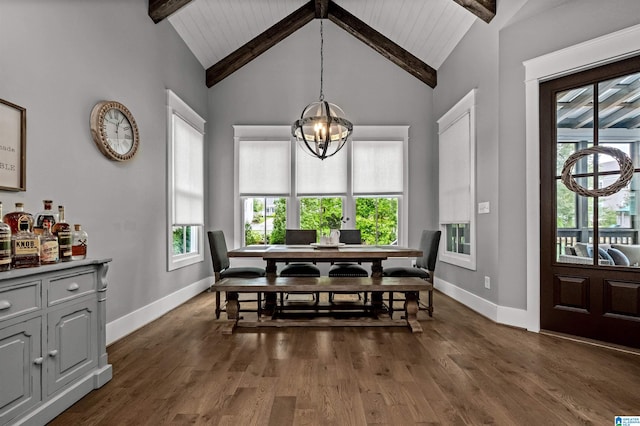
(114, 130)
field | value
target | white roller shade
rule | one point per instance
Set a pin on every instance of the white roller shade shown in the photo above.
(264, 167)
(188, 175)
(454, 172)
(378, 167)
(321, 177)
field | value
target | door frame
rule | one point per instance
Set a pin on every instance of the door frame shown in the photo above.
(599, 51)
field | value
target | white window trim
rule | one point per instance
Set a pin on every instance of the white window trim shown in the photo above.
(283, 132)
(177, 106)
(466, 105)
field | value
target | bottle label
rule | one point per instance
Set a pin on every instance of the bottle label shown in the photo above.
(26, 247)
(5, 251)
(49, 252)
(64, 241)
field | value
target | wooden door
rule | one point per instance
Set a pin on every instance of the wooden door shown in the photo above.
(588, 233)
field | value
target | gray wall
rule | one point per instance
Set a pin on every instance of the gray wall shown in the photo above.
(490, 58)
(275, 87)
(57, 59)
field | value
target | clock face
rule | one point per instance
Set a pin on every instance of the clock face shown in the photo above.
(118, 131)
(114, 130)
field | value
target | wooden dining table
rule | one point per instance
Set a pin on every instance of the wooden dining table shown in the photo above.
(273, 254)
(374, 254)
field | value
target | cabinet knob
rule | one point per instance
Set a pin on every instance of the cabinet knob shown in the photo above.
(4, 304)
(53, 353)
(73, 287)
(38, 361)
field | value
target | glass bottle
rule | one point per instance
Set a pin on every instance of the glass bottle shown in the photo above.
(12, 218)
(25, 245)
(48, 245)
(62, 230)
(46, 214)
(5, 244)
(79, 245)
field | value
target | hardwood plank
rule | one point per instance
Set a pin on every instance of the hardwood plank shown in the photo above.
(483, 9)
(381, 44)
(161, 9)
(260, 44)
(463, 369)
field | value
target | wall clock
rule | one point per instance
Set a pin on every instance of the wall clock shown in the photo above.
(114, 130)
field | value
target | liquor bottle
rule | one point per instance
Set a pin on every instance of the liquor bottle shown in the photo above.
(62, 230)
(48, 245)
(25, 245)
(46, 214)
(79, 245)
(5, 244)
(12, 218)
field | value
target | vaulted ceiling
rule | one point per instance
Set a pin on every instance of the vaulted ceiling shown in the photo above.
(416, 35)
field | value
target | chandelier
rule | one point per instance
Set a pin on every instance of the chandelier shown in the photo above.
(322, 129)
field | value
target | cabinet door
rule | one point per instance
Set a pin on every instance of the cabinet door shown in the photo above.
(72, 343)
(20, 368)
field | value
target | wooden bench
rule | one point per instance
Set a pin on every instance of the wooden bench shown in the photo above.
(376, 286)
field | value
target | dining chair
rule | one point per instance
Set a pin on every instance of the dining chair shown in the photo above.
(424, 268)
(300, 269)
(222, 269)
(348, 269)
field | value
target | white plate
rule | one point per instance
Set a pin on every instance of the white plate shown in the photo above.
(318, 245)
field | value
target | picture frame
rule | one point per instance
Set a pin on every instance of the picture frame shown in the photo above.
(13, 144)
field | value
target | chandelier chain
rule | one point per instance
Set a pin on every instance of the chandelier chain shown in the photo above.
(321, 61)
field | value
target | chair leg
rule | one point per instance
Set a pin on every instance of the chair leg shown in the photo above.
(218, 305)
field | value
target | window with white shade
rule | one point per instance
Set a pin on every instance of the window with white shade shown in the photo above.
(457, 183)
(185, 151)
(365, 183)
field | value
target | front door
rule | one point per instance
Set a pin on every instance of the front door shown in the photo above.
(590, 223)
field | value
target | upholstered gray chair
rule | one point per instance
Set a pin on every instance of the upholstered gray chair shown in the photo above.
(221, 266)
(348, 269)
(300, 269)
(424, 268)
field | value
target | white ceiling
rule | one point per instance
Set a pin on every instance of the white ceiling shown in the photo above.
(429, 29)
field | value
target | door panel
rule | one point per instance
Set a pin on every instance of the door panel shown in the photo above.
(590, 242)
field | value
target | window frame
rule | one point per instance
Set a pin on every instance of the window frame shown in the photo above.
(279, 133)
(177, 107)
(466, 106)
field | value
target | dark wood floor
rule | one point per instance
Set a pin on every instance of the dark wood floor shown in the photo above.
(463, 369)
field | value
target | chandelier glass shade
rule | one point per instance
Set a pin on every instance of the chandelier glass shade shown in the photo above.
(322, 130)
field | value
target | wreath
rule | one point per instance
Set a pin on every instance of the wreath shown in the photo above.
(626, 171)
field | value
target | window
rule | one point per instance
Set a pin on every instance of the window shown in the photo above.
(265, 220)
(185, 184)
(457, 183)
(365, 184)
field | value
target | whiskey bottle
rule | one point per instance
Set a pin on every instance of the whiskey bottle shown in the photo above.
(79, 245)
(5, 244)
(46, 214)
(12, 218)
(48, 245)
(25, 245)
(62, 230)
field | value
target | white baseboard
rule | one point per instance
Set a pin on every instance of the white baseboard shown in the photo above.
(129, 323)
(500, 314)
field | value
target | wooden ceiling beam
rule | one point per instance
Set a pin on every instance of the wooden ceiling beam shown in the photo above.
(260, 44)
(322, 9)
(161, 9)
(381, 44)
(483, 9)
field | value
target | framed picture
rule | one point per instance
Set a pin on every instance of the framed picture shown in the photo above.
(13, 147)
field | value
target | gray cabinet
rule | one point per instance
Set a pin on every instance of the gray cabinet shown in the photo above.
(52, 339)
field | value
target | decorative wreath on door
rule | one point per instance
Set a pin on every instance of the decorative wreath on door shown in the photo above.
(626, 171)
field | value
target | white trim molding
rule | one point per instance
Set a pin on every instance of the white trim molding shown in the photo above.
(500, 314)
(129, 323)
(590, 54)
